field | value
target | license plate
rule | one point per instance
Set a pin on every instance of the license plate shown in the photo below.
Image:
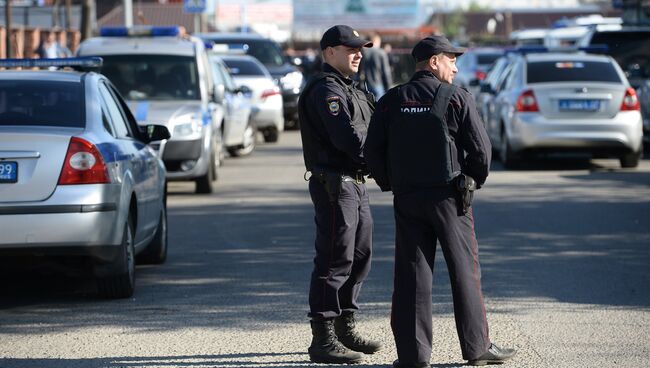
(579, 105)
(8, 171)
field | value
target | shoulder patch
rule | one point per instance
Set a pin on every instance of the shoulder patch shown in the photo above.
(334, 105)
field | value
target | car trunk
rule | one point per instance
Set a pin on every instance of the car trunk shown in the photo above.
(578, 101)
(37, 156)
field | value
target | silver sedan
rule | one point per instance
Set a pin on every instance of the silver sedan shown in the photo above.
(566, 102)
(77, 177)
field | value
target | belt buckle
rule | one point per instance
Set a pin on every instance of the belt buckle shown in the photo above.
(358, 178)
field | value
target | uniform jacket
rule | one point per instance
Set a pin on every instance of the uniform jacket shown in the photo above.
(399, 135)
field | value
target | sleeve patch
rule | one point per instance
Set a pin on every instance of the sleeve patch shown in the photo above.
(334, 105)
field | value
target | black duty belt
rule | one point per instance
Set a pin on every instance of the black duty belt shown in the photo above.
(356, 177)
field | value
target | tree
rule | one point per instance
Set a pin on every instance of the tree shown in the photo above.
(87, 18)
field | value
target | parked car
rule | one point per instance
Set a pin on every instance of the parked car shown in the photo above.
(473, 66)
(237, 105)
(489, 85)
(269, 125)
(250, 74)
(630, 47)
(167, 79)
(268, 52)
(559, 102)
(77, 174)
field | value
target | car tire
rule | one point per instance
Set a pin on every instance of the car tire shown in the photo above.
(508, 157)
(156, 251)
(248, 145)
(631, 159)
(271, 135)
(122, 283)
(204, 183)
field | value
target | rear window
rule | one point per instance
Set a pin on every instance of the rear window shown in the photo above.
(244, 67)
(43, 103)
(266, 51)
(487, 59)
(571, 71)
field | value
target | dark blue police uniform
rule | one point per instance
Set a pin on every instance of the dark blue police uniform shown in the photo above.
(334, 116)
(423, 136)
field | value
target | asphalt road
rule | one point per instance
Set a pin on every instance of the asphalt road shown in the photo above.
(564, 247)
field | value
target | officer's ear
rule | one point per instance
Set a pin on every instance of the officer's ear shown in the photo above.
(433, 61)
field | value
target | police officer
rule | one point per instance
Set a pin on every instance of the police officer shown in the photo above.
(334, 115)
(426, 142)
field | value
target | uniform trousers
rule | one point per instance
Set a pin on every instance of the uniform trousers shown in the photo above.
(423, 217)
(343, 248)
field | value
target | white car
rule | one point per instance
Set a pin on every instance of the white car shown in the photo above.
(167, 79)
(265, 94)
(77, 174)
(566, 102)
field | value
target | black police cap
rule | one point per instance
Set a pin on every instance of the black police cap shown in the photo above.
(342, 35)
(434, 45)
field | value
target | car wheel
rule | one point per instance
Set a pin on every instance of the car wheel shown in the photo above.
(121, 284)
(248, 145)
(271, 135)
(508, 157)
(204, 183)
(156, 252)
(631, 159)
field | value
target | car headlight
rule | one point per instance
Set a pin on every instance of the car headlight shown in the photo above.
(292, 81)
(189, 127)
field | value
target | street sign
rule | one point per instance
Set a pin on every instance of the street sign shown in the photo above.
(194, 6)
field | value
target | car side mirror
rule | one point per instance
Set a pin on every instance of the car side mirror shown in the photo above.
(154, 133)
(244, 89)
(486, 88)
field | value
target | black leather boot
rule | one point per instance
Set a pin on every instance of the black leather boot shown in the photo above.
(326, 348)
(344, 326)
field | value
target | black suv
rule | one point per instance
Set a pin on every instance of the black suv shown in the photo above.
(629, 46)
(269, 53)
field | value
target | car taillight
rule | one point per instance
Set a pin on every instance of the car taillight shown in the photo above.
(479, 75)
(270, 92)
(630, 101)
(83, 164)
(527, 102)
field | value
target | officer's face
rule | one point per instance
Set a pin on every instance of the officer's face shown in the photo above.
(344, 58)
(444, 67)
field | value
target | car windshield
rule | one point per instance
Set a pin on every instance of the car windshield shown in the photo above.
(244, 67)
(266, 51)
(43, 103)
(153, 77)
(630, 49)
(571, 71)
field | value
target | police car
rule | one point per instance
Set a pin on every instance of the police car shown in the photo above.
(77, 176)
(167, 79)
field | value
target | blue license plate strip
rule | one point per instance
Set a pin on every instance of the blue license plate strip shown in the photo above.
(8, 171)
(579, 105)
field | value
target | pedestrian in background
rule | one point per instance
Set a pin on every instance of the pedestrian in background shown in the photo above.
(375, 68)
(50, 48)
(334, 116)
(428, 145)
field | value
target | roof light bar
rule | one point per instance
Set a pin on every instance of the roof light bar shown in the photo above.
(91, 61)
(140, 31)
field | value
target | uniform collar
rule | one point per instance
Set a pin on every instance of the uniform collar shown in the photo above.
(330, 69)
(421, 74)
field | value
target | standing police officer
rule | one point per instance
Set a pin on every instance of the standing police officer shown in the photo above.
(334, 116)
(428, 145)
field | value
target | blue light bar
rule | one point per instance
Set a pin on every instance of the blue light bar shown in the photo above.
(90, 61)
(140, 31)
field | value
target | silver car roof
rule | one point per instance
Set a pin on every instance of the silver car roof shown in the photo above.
(573, 56)
(40, 75)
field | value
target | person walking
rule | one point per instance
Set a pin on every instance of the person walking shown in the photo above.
(334, 115)
(428, 145)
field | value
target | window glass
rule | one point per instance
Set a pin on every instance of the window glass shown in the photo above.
(114, 113)
(487, 59)
(153, 77)
(48, 103)
(572, 71)
(244, 67)
(266, 51)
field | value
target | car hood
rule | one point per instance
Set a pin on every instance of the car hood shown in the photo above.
(164, 112)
